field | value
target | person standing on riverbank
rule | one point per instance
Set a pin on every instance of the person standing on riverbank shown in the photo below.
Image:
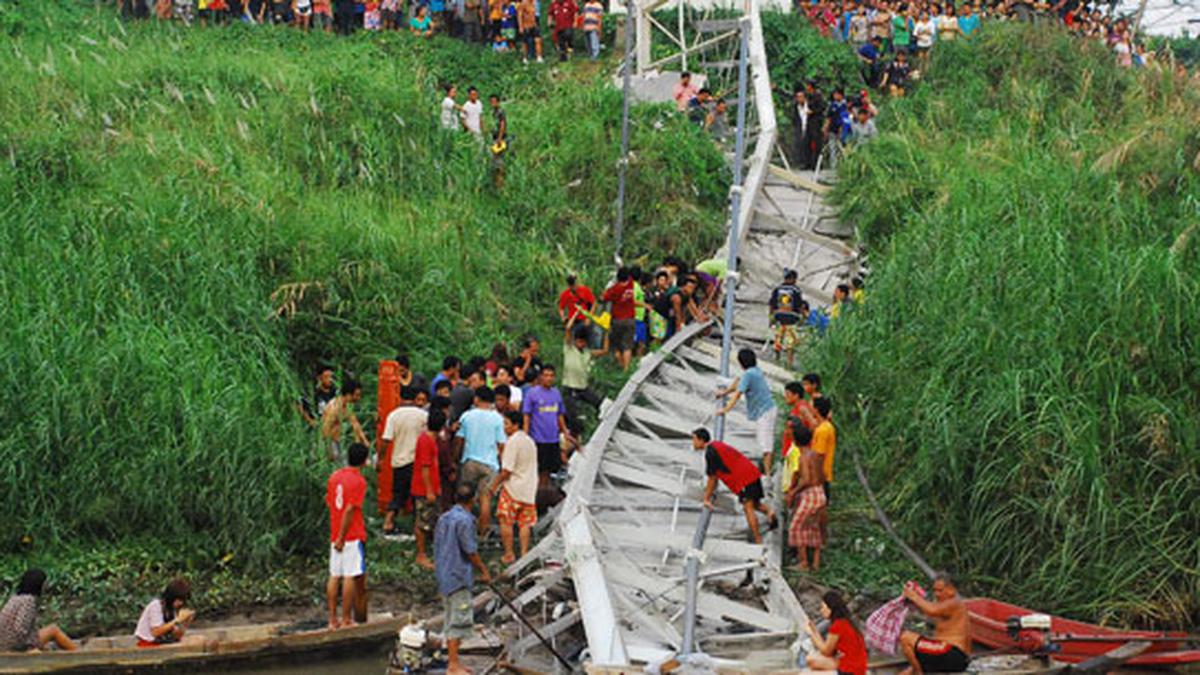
(426, 484)
(517, 486)
(546, 418)
(479, 441)
(344, 495)
(403, 427)
(456, 558)
(336, 414)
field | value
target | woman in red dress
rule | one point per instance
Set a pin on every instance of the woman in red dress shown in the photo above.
(843, 648)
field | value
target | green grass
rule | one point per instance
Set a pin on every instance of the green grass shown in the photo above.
(169, 193)
(1024, 381)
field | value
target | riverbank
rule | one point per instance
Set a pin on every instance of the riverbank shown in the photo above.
(101, 590)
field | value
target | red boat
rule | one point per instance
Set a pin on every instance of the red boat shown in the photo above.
(992, 625)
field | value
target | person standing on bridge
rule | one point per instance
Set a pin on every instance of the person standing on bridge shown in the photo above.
(723, 462)
(760, 406)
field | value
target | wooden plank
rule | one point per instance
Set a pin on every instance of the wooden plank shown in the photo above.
(709, 605)
(799, 181)
(658, 392)
(663, 421)
(771, 370)
(794, 228)
(701, 384)
(649, 479)
(674, 451)
(618, 535)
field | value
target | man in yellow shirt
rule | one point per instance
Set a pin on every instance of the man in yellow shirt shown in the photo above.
(824, 438)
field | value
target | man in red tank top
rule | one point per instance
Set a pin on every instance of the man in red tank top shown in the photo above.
(724, 463)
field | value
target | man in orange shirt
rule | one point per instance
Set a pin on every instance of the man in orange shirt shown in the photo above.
(344, 495)
(824, 439)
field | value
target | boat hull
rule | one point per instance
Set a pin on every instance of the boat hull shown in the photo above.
(989, 628)
(224, 646)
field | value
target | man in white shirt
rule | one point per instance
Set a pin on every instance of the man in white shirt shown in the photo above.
(450, 109)
(402, 428)
(472, 113)
(517, 484)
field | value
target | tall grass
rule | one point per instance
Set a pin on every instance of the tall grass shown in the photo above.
(1024, 381)
(193, 216)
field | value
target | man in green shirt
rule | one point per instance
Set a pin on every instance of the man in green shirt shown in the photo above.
(576, 371)
(712, 278)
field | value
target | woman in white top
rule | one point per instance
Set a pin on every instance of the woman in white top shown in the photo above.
(947, 25)
(451, 110)
(924, 31)
(165, 621)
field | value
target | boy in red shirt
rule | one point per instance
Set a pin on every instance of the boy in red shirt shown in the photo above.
(564, 12)
(427, 485)
(723, 462)
(344, 495)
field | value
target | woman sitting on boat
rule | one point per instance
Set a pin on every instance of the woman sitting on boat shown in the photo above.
(843, 649)
(18, 620)
(165, 621)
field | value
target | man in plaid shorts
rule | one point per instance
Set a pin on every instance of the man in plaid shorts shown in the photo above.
(517, 485)
(807, 495)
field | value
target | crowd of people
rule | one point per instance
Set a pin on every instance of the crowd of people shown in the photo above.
(502, 25)
(878, 28)
(893, 39)
(488, 436)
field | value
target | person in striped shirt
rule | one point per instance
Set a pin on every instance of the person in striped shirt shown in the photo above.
(593, 17)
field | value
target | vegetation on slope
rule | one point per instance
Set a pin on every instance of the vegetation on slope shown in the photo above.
(1024, 381)
(191, 215)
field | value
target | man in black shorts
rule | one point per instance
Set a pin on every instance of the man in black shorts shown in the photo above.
(546, 420)
(724, 463)
(949, 650)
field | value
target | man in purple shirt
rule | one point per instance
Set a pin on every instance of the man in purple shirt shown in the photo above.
(545, 418)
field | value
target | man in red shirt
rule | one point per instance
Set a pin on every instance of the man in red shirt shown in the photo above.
(624, 327)
(563, 12)
(725, 463)
(344, 495)
(427, 485)
(572, 298)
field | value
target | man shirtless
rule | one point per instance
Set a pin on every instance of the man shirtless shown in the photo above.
(950, 648)
(336, 414)
(807, 498)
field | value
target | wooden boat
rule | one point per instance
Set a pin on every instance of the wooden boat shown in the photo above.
(1075, 641)
(223, 646)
